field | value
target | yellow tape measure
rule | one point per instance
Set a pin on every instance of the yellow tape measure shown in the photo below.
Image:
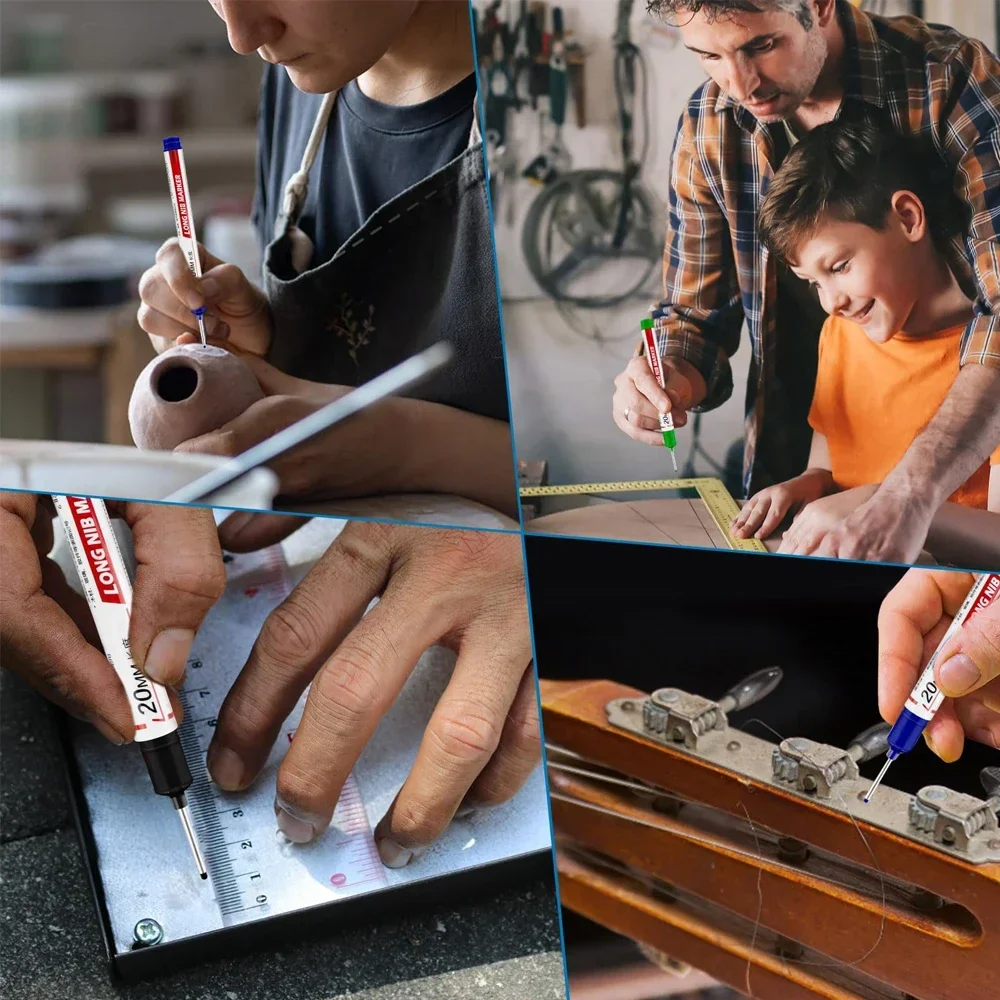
(713, 493)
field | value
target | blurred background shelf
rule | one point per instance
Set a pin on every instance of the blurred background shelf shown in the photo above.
(207, 146)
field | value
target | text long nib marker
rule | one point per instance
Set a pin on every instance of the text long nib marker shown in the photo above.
(653, 359)
(108, 590)
(173, 155)
(925, 698)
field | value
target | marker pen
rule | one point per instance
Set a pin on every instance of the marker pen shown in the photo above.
(926, 698)
(108, 589)
(173, 155)
(653, 359)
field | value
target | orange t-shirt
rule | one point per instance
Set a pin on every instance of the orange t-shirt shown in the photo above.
(872, 400)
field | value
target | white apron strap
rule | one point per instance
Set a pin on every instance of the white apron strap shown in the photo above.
(297, 189)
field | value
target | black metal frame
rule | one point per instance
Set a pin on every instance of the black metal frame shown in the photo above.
(318, 921)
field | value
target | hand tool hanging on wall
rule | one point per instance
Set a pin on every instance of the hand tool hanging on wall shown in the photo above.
(501, 158)
(586, 220)
(521, 56)
(555, 158)
(538, 69)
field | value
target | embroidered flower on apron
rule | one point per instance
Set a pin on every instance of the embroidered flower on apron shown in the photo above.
(346, 324)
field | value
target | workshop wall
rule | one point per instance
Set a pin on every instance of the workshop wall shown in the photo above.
(88, 90)
(562, 361)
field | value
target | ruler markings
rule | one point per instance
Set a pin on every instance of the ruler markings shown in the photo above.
(713, 493)
(244, 891)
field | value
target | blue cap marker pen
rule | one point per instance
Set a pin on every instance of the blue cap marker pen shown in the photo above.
(173, 155)
(926, 698)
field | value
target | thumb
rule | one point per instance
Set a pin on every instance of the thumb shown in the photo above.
(244, 531)
(226, 287)
(179, 576)
(272, 380)
(972, 658)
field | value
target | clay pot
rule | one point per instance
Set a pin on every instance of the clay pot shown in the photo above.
(188, 391)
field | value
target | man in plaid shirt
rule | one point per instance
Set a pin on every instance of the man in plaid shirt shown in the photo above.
(777, 69)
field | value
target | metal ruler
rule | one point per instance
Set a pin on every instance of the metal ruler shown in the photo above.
(244, 871)
(712, 492)
(143, 869)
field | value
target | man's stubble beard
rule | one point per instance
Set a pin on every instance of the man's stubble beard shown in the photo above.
(813, 66)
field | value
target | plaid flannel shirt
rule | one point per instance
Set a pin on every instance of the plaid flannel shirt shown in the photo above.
(929, 80)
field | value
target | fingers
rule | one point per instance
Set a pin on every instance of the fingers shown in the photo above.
(804, 536)
(678, 390)
(461, 738)
(642, 378)
(979, 715)
(40, 641)
(169, 291)
(519, 752)
(759, 517)
(275, 382)
(173, 325)
(179, 576)
(245, 531)
(913, 618)
(180, 280)
(259, 421)
(295, 640)
(944, 734)
(348, 697)
(634, 414)
(972, 657)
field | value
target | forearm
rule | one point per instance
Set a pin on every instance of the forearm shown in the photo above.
(452, 451)
(815, 483)
(965, 536)
(953, 445)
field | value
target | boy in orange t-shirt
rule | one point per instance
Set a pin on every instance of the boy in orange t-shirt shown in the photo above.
(859, 213)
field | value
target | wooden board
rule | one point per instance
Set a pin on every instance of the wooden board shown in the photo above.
(668, 522)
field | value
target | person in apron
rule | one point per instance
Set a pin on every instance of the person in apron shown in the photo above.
(420, 269)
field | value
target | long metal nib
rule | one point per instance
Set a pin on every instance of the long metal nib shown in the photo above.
(878, 780)
(180, 804)
(673, 458)
(201, 330)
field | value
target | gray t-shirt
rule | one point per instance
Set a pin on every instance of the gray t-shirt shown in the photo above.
(371, 153)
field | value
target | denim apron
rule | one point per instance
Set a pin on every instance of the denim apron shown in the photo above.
(420, 270)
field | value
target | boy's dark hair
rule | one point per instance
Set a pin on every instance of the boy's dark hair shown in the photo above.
(849, 169)
(716, 9)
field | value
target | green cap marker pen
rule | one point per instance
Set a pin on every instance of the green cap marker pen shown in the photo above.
(653, 357)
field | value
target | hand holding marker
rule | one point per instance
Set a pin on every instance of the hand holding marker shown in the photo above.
(108, 589)
(926, 698)
(656, 367)
(173, 155)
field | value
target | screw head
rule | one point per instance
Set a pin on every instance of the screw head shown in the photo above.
(994, 844)
(733, 745)
(934, 794)
(628, 706)
(798, 744)
(669, 694)
(147, 932)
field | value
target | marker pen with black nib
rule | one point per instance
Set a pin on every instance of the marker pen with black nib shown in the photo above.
(108, 590)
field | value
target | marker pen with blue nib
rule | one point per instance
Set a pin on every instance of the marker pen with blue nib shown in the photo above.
(173, 155)
(108, 589)
(653, 359)
(925, 699)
